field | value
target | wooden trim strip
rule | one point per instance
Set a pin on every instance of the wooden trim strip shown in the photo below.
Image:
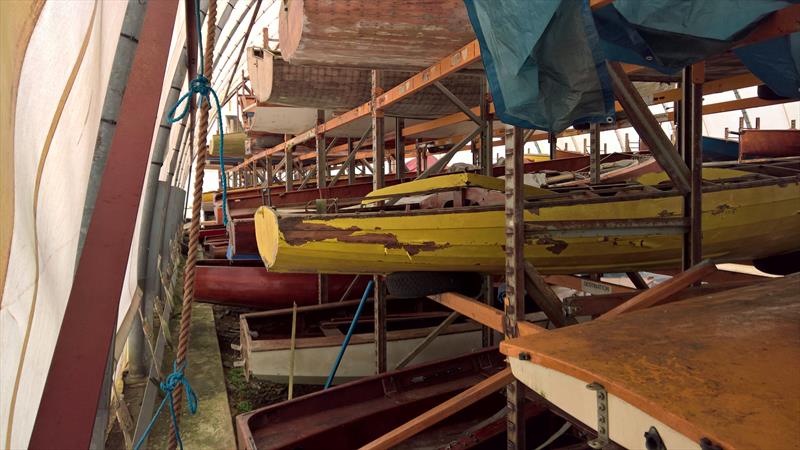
(442, 411)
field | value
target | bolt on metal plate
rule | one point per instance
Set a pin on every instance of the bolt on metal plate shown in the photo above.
(602, 416)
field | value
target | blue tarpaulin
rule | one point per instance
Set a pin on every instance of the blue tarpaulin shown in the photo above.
(545, 59)
(776, 62)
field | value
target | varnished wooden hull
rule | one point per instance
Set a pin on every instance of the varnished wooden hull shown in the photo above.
(254, 287)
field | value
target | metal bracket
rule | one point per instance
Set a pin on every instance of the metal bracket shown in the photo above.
(602, 416)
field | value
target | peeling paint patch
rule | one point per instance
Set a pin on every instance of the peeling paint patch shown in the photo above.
(665, 213)
(298, 232)
(555, 246)
(722, 209)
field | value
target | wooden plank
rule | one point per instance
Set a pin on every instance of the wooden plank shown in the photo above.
(443, 411)
(428, 339)
(579, 284)
(653, 296)
(481, 312)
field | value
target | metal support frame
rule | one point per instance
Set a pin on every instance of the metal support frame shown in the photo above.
(486, 153)
(322, 152)
(378, 181)
(70, 399)
(551, 139)
(647, 126)
(594, 153)
(399, 148)
(439, 165)
(289, 168)
(691, 134)
(514, 303)
(349, 162)
(637, 280)
(545, 298)
(378, 156)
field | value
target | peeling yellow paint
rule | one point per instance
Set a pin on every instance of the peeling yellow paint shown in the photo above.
(760, 222)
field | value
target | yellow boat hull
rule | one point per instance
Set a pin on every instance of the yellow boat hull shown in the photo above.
(738, 224)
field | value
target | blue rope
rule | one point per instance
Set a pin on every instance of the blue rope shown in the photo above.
(202, 86)
(173, 381)
(347, 337)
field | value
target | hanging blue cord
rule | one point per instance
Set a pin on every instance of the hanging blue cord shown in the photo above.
(202, 86)
(173, 381)
(349, 334)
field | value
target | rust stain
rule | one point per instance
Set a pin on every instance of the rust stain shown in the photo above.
(298, 232)
(555, 246)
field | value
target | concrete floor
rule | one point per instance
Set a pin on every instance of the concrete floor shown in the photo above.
(211, 427)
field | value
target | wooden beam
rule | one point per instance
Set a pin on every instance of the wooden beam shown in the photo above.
(428, 339)
(545, 298)
(435, 415)
(578, 283)
(481, 312)
(596, 305)
(659, 293)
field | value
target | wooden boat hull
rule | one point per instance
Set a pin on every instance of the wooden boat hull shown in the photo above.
(254, 287)
(351, 415)
(266, 344)
(726, 373)
(739, 223)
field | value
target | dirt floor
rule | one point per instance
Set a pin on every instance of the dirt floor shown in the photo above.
(246, 395)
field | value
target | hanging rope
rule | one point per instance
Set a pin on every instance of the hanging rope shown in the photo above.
(173, 381)
(201, 85)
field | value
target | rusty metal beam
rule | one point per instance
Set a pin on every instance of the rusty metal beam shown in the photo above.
(514, 302)
(648, 128)
(399, 148)
(690, 126)
(69, 402)
(541, 293)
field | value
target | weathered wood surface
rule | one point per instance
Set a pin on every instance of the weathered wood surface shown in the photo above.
(376, 34)
(277, 82)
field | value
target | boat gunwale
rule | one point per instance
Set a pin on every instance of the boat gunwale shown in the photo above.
(545, 202)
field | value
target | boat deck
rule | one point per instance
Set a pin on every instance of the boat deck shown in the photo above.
(722, 366)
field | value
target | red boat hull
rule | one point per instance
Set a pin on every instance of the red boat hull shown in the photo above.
(252, 286)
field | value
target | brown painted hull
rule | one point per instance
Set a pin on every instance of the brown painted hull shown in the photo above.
(754, 144)
(277, 82)
(376, 34)
(253, 286)
(351, 415)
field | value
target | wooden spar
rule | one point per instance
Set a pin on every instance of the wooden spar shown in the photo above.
(440, 412)
(481, 312)
(277, 82)
(652, 297)
(374, 34)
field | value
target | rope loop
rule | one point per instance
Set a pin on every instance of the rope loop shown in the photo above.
(202, 86)
(173, 381)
